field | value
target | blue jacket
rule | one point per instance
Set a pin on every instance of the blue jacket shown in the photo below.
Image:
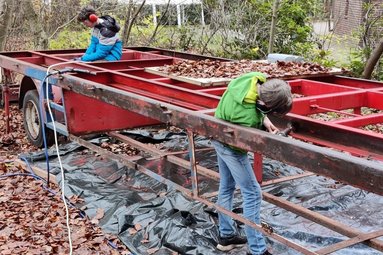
(105, 43)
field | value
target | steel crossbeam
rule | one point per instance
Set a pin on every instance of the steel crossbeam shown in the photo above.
(183, 107)
(120, 95)
(369, 239)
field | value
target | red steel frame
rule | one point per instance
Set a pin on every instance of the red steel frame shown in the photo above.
(99, 111)
(120, 95)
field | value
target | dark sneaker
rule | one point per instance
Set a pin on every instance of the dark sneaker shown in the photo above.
(229, 243)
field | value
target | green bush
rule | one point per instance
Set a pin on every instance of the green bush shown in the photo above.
(69, 39)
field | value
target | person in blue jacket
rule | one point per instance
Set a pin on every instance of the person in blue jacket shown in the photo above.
(105, 43)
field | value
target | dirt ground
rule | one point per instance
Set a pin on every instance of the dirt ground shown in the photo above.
(32, 215)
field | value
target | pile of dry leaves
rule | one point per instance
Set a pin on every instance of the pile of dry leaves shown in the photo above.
(217, 69)
(32, 218)
(15, 141)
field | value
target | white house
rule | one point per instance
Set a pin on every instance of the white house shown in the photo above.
(178, 3)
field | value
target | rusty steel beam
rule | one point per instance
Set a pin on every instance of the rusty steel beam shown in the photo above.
(193, 164)
(291, 207)
(124, 160)
(171, 158)
(184, 152)
(264, 231)
(323, 134)
(130, 163)
(173, 53)
(287, 178)
(43, 173)
(281, 203)
(325, 162)
(350, 242)
(351, 82)
(271, 182)
(358, 172)
(335, 135)
(321, 220)
(116, 79)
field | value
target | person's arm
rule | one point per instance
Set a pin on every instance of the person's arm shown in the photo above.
(269, 125)
(100, 53)
(92, 46)
(105, 42)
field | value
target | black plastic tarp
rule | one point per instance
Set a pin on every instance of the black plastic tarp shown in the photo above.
(150, 218)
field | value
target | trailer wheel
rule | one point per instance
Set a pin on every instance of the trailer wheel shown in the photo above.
(2, 103)
(33, 121)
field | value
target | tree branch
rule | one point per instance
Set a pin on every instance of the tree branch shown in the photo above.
(62, 26)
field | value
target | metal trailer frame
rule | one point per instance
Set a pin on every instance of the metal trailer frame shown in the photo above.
(121, 95)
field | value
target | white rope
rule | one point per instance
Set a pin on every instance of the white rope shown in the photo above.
(58, 153)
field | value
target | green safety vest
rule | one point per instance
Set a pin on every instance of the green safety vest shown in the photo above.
(237, 104)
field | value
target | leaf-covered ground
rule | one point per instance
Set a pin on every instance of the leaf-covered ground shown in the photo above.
(15, 141)
(33, 218)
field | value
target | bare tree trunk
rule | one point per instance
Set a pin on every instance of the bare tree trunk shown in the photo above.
(5, 17)
(129, 22)
(373, 60)
(273, 22)
(35, 24)
(42, 42)
(158, 23)
(204, 48)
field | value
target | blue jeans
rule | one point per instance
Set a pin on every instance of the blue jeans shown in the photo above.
(235, 168)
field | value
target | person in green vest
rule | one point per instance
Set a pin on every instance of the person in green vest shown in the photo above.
(247, 101)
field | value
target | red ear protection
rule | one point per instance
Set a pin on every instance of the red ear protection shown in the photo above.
(93, 18)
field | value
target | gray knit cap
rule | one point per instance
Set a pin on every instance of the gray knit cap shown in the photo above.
(276, 94)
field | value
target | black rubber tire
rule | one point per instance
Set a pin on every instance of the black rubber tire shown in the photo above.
(32, 121)
(2, 103)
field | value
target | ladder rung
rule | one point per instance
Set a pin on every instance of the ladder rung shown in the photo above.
(56, 106)
(60, 128)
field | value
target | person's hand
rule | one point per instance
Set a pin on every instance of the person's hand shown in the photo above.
(270, 126)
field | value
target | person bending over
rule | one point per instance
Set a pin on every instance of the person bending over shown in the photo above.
(246, 102)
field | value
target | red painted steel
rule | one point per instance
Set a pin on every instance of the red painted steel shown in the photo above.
(312, 88)
(319, 95)
(87, 115)
(122, 94)
(258, 166)
(351, 82)
(347, 100)
(322, 95)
